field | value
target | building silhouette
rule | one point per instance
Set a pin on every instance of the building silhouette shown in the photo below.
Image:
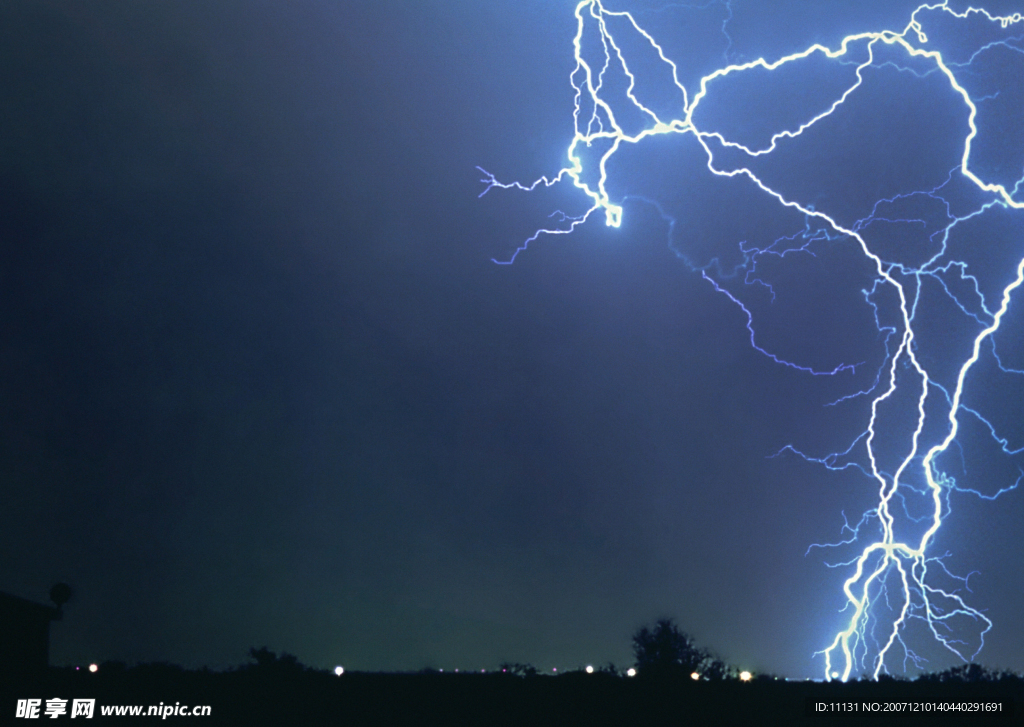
(25, 635)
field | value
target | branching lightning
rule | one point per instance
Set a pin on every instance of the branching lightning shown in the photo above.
(895, 571)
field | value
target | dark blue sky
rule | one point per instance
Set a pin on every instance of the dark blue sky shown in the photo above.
(262, 384)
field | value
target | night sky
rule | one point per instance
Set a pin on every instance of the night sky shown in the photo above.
(262, 384)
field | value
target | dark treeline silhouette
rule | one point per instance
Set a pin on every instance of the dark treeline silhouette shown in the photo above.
(276, 689)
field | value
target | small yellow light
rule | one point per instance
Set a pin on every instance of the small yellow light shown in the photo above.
(695, 676)
(744, 676)
(339, 670)
(631, 672)
(590, 669)
(93, 668)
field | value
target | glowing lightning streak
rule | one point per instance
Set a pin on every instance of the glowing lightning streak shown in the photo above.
(602, 126)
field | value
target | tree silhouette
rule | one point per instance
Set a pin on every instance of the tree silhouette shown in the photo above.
(269, 662)
(716, 669)
(666, 650)
(519, 670)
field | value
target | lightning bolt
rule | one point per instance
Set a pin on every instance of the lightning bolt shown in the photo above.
(892, 582)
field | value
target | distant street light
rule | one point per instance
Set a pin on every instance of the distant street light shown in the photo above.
(695, 676)
(590, 669)
(339, 670)
(744, 676)
(631, 672)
